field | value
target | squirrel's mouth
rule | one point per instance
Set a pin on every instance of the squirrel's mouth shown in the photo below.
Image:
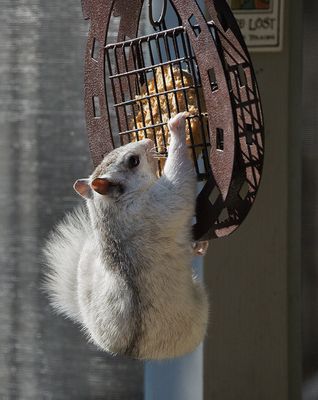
(155, 154)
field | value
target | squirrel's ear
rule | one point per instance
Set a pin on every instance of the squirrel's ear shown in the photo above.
(82, 187)
(101, 185)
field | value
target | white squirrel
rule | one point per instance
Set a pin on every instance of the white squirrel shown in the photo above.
(123, 269)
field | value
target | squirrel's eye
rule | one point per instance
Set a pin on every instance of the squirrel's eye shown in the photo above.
(133, 161)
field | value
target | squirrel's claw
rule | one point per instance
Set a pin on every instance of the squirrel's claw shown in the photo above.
(177, 122)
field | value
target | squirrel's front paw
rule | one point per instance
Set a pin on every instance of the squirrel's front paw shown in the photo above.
(177, 123)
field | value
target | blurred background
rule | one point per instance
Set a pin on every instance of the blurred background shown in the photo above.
(43, 149)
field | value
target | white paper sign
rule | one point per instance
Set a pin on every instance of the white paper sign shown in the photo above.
(261, 23)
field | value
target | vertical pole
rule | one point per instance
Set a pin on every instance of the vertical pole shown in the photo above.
(180, 378)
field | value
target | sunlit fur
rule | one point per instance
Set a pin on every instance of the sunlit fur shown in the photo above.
(121, 266)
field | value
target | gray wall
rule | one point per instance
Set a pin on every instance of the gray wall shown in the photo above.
(310, 190)
(43, 149)
(253, 345)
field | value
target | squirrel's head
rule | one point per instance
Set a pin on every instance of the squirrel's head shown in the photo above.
(125, 172)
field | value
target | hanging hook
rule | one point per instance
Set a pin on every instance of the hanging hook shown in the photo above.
(160, 23)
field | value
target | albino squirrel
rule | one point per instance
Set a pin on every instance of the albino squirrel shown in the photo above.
(123, 269)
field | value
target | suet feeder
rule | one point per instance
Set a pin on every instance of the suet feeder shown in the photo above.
(141, 69)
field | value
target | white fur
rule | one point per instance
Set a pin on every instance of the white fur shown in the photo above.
(125, 271)
(62, 253)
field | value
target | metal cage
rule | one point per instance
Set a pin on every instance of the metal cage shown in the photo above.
(135, 82)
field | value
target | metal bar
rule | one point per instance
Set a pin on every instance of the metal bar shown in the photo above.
(154, 95)
(146, 37)
(153, 126)
(147, 89)
(138, 87)
(113, 88)
(161, 64)
(148, 127)
(158, 99)
(129, 84)
(121, 87)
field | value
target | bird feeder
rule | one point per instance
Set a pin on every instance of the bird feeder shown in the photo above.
(141, 69)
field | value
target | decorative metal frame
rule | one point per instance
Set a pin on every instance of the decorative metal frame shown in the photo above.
(211, 44)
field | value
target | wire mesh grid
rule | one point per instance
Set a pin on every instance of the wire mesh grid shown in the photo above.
(153, 78)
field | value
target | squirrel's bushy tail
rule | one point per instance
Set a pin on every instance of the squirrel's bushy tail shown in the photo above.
(61, 252)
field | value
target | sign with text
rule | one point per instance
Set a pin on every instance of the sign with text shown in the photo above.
(261, 23)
